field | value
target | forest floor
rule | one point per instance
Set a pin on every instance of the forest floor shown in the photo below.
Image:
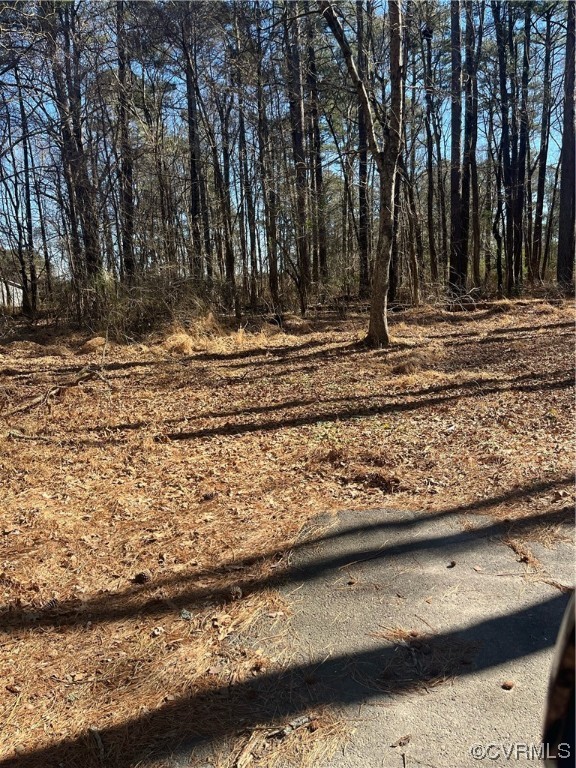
(151, 494)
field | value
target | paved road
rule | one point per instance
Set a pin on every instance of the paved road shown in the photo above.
(409, 624)
(477, 618)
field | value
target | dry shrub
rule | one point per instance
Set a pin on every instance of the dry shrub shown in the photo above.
(57, 350)
(297, 326)
(179, 343)
(411, 365)
(501, 306)
(92, 345)
(32, 349)
(206, 326)
(269, 330)
(260, 339)
(131, 312)
(212, 336)
(194, 335)
(255, 339)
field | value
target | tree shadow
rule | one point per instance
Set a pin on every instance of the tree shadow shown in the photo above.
(105, 367)
(508, 330)
(528, 382)
(532, 328)
(134, 601)
(281, 351)
(280, 356)
(361, 412)
(511, 338)
(197, 721)
(462, 318)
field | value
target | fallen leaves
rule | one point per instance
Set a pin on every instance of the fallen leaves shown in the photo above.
(148, 541)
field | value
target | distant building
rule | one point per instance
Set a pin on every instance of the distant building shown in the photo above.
(10, 295)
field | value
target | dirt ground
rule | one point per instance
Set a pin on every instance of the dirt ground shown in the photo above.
(150, 493)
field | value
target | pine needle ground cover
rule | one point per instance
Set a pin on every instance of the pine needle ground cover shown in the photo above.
(151, 494)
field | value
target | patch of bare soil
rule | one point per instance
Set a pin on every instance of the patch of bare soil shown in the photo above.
(151, 492)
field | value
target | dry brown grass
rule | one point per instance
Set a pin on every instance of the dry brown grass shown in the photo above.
(307, 741)
(180, 343)
(25, 348)
(201, 334)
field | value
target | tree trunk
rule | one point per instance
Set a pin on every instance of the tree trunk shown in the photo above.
(268, 194)
(248, 196)
(416, 245)
(125, 166)
(426, 48)
(363, 217)
(550, 223)
(55, 19)
(505, 145)
(71, 93)
(457, 278)
(42, 222)
(520, 174)
(221, 172)
(386, 159)
(565, 264)
(535, 262)
(496, 159)
(321, 250)
(394, 271)
(296, 103)
(470, 169)
(32, 298)
(194, 204)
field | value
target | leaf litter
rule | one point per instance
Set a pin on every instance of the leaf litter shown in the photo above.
(151, 494)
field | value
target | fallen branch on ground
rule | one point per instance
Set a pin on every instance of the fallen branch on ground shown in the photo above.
(86, 374)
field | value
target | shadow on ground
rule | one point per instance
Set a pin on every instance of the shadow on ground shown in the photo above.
(197, 721)
(133, 601)
(279, 696)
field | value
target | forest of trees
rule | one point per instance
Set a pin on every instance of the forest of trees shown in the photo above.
(265, 155)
